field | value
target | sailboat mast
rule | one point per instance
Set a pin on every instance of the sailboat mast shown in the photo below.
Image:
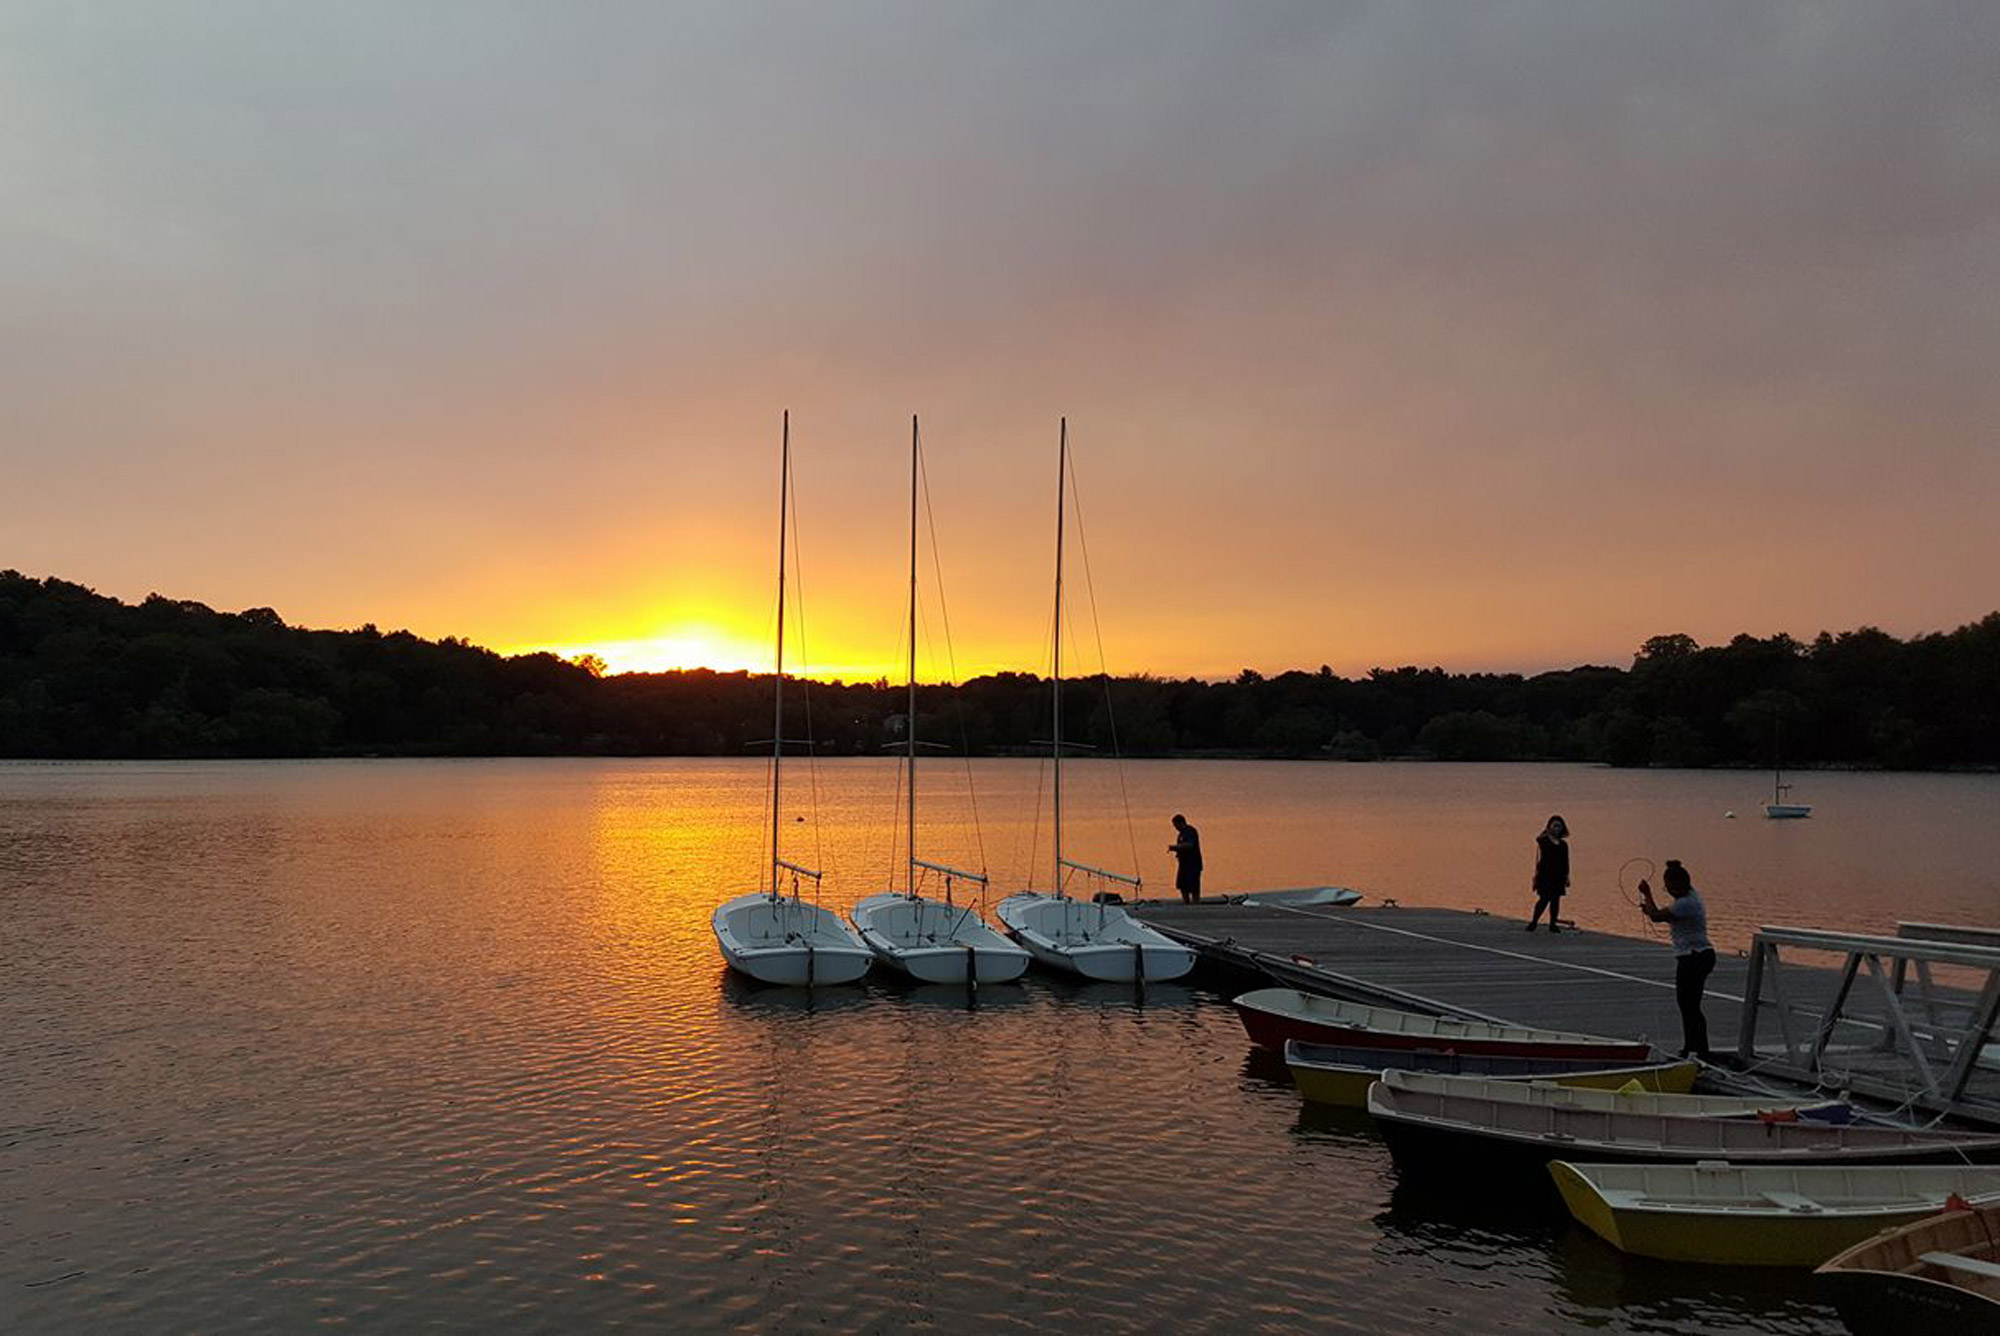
(910, 726)
(1777, 757)
(778, 709)
(1062, 473)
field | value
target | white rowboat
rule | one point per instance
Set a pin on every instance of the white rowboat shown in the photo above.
(1549, 1095)
(1430, 1129)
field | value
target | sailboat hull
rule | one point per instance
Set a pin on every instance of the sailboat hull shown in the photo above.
(789, 942)
(1787, 811)
(934, 942)
(1100, 942)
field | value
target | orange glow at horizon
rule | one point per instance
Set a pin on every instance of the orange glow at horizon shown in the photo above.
(689, 646)
(684, 646)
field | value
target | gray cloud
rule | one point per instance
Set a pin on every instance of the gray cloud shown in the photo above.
(1471, 286)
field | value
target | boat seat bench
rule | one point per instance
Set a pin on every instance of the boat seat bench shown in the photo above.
(1968, 1266)
(1792, 1201)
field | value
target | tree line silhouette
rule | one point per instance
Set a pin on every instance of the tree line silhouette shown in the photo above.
(83, 675)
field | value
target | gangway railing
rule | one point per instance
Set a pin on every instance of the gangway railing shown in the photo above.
(1923, 1051)
(1955, 933)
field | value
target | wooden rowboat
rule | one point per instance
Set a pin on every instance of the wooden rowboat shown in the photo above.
(1432, 1130)
(1340, 1075)
(1756, 1216)
(1272, 1016)
(1939, 1276)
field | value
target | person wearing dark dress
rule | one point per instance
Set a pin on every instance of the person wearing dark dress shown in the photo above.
(1186, 850)
(1694, 955)
(1551, 872)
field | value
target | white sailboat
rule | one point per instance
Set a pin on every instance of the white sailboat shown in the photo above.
(1089, 938)
(933, 941)
(768, 935)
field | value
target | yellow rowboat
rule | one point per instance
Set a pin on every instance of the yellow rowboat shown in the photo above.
(1735, 1215)
(1340, 1075)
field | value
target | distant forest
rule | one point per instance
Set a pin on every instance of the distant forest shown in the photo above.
(82, 675)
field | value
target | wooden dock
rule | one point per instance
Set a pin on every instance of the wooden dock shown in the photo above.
(1463, 964)
(1473, 964)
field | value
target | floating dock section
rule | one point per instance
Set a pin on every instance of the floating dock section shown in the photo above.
(1458, 963)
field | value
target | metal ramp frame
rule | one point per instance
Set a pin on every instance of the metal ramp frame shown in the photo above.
(1918, 1046)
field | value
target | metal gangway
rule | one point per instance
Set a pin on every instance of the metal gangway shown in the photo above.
(1917, 1031)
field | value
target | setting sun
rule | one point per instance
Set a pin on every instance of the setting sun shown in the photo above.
(687, 646)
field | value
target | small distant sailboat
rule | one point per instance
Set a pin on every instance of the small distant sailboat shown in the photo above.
(1778, 809)
(768, 935)
(1092, 939)
(933, 941)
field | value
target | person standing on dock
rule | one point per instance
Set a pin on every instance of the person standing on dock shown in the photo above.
(1186, 850)
(1551, 872)
(1694, 954)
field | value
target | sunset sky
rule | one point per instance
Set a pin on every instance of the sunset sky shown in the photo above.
(1491, 335)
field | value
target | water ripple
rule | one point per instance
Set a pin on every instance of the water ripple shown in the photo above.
(449, 1045)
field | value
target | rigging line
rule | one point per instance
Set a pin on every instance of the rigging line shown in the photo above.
(895, 827)
(951, 659)
(880, 849)
(895, 754)
(1103, 665)
(924, 627)
(767, 839)
(805, 689)
(1041, 784)
(1034, 827)
(1064, 876)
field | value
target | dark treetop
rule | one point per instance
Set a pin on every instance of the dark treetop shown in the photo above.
(82, 675)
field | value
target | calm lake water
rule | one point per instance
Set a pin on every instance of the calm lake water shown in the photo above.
(396, 1044)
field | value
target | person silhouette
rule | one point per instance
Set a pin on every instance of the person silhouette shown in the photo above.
(1694, 955)
(1186, 850)
(1551, 872)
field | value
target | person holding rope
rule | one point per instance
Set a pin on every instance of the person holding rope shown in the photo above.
(1186, 850)
(1551, 872)
(1694, 955)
